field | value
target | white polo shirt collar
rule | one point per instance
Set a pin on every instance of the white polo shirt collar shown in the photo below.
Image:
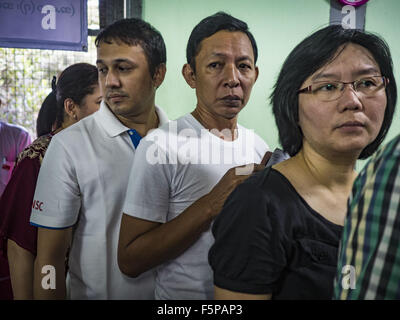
(113, 127)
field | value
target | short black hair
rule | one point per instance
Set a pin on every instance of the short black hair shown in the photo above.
(211, 25)
(134, 32)
(75, 82)
(306, 58)
(47, 115)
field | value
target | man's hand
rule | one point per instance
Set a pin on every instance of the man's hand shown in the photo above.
(218, 195)
(145, 244)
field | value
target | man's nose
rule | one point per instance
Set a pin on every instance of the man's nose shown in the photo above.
(112, 80)
(231, 76)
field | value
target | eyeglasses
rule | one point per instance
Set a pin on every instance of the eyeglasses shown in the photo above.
(332, 90)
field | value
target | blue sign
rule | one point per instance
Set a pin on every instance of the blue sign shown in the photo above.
(44, 24)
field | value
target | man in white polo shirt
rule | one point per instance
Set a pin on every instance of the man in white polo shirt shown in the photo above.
(83, 179)
(184, 171)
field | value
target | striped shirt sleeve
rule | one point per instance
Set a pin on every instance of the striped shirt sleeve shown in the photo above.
(369, 255)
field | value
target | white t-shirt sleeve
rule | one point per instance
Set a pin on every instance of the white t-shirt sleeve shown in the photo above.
(261, 147)
(148, 189)
(56, 202)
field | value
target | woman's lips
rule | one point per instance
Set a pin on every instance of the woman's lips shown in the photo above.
(351, 126)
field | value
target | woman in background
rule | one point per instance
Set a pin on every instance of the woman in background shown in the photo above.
(77, 95)
(278, 234)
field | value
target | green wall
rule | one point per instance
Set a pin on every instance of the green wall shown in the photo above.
(278, 26)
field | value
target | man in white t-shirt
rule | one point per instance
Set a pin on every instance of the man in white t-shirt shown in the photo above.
(84, 175)
(184, 171)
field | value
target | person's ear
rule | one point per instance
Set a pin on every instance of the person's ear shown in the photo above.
(189, 75)
(159, 75)
(71, 108)
(256, 69)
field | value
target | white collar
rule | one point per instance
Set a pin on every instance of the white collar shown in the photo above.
(113, 127)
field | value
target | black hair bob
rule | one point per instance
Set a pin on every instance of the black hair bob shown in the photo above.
(306, 58)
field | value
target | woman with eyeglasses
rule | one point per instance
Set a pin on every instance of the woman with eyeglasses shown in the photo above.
(278, 234)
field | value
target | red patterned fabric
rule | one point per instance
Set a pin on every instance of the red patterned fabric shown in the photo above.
(16, 205)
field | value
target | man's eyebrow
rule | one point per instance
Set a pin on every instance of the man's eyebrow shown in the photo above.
(115, 61)
(245, 57)
(241, 58)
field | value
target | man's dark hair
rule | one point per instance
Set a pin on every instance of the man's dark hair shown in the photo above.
(211, 25)
(75, 82)
(307, 57)
(134, 32)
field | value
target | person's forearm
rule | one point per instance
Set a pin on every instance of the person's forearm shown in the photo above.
(49, 279)
(144, 245)
(49, 272)
(21, 271)
(168, 240)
